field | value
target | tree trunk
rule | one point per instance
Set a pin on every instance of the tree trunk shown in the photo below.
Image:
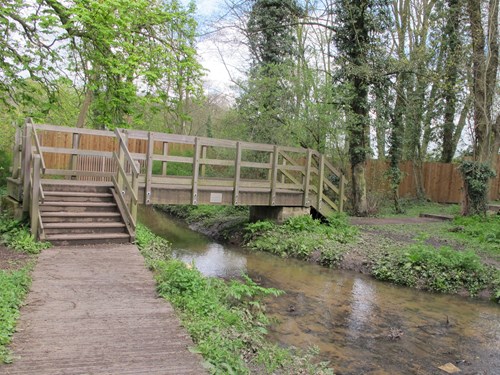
(84, 110)
(360, 201)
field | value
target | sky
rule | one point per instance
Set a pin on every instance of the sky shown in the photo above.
(223, 61)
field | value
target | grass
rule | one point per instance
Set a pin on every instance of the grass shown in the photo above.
(304, 238)
(226, 320)
(413, 208)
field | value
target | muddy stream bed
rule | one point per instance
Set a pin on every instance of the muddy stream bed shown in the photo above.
(360, 325)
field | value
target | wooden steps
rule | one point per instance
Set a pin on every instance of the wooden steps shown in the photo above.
(81, 214)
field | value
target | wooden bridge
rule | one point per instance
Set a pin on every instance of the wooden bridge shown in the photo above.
(84, 185)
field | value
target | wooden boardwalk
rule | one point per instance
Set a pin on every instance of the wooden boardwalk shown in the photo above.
(94, 310)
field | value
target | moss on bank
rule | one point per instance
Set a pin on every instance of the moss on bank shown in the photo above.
(226, 320)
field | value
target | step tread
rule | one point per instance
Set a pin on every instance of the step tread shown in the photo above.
(78, 204)
(86, 236)
(76, 194)
(81, 225)
(79, 214)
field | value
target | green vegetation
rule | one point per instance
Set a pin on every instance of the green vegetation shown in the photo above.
(225, 319)
(413, 208)
(303, 237)
(13, 287)
(482, 229)
(436, 269)
(14, 283)
(15, 235)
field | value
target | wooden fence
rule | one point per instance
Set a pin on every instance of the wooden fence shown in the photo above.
(442, 181)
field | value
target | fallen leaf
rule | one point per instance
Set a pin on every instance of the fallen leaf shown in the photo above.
(450, 368)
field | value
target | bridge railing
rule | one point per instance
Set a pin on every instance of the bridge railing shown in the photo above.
(234, 172)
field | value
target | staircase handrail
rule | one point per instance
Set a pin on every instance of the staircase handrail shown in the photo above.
(127, 190)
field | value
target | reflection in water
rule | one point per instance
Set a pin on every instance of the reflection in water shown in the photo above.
(362, 326)
(214, 261)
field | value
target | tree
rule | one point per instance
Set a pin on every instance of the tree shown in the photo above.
(485, 49)
(265, 103)
(358, 22)
(115, 52)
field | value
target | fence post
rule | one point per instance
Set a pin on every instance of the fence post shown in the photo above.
(25, 171)
(237, 174)
(17, 151)
(149, 168)
(321, 177)
(274, 176)
(203, 156)
(35, 208)
(164, 164)
(306, 202)
(74, 157)
(196, 171)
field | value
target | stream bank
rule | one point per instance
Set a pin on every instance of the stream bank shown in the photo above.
(419, 253)
(359, 324)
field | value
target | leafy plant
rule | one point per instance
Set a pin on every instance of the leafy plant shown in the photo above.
(303, 237)
(476, 178)
(442, 270)
(13, 287)
(16, 236)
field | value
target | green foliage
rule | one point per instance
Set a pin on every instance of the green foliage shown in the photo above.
(484, 229)
(476, 178)
(303, 237)
(13, 287)
(225, 319)
(152, 246)
(125, 52)
(436, 269)
(15, 235)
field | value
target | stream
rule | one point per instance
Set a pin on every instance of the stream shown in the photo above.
(360, 325)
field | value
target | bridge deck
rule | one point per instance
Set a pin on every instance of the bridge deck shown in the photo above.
(93, 310)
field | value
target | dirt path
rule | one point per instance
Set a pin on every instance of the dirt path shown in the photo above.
(93, 310)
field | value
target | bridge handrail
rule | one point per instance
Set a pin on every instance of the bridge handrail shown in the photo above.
(127, 191)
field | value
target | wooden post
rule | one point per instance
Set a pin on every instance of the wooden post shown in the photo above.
(164, 164)
(283, 177)
(135, 192)
(237, 174)
(269, 172)
(149, 168)
(35, 208)
(196, 171)
(341, 192)
(203, 156)
(74, 157)
(306, 202)
(321, 178)
(274, 176)
(17, 152)
(26, 168)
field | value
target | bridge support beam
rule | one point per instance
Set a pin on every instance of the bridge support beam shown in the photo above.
(276, 213)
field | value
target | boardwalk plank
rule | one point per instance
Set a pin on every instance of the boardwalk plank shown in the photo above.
(94, 310)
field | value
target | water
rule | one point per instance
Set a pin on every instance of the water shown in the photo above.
(360, 325)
